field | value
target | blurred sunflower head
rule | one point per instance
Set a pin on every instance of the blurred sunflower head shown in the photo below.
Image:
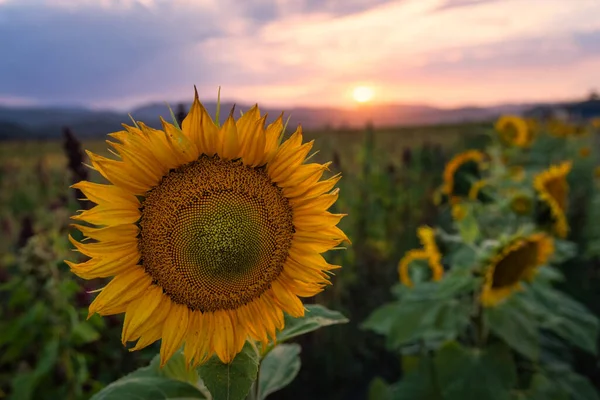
(514, 262)
(521, 204)
(480, 191)
(462, 172)
(416, 262)
(516, 173)
(426, 235)
(597, 172)
(553, 193)
(459, 212)
(585, 152)
(514, 131)
(211, 233)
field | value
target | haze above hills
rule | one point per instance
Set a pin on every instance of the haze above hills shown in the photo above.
(47, 123)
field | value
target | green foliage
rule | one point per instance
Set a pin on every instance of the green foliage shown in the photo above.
(315, 317)
(278, 369)
(466, 373)
(495, 326)
(231, 381)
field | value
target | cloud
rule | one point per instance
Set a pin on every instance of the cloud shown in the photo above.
(289, 52)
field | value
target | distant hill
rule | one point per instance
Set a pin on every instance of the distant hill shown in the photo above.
(578, 110)
(34, 123)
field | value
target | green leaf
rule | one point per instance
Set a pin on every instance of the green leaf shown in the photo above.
(24, 385)
(315, 317)
(567, 382)
(428, 320)
(231, 381)
(176, 368)
(542, 388)
(154, 388)
(515, 328)
(468, 228)
(279, 368)
(419, 383)
(382, 319)
(379, 390)
(84, 332)
(564, 316)
(465, 373)
(173, 379)
(464, 257)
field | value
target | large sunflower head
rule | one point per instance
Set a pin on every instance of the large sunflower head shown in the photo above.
(211, 233)
(461, 172)
(514, 131)
(514, 262)
(553, 192)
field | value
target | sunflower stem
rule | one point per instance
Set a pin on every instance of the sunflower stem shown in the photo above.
(480, 326)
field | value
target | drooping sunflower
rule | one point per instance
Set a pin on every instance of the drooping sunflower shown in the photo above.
(553, 192)
(429, 253)
(426, 235)
(211, 233)
(515, 262)
(514, 131)
(461, 173)
(405, 263)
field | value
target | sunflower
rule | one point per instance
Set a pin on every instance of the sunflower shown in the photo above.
(460, 173)
(553, 191)
(426, 235)
(514, 131)
(458, 212)
(516, 173)
(585, 152)
(521, 204)
(211, 233)
(514, 262)
(406, 261)
(475, 192)
(429, 253)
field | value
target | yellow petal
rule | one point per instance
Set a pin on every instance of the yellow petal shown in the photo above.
(272, 136)
(224, 339)
(148, 337)
(107, 194)
(317, 221)
(102, 267)
(118, 173)
(185, 149)
(109, 233)
(138, 311)
(288, 302)
(192, 123)
(105, 215)
(230, 146)
(174, 330)
(121, 290)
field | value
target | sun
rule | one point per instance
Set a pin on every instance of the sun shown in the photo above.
(362, 94)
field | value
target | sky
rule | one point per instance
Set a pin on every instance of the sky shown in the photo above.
(120, 54)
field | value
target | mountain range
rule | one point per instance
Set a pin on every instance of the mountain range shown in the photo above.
(40, 123)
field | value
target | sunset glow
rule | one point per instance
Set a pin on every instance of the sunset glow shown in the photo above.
(362, 94)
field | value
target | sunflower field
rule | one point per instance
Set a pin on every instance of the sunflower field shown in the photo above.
(240, 259)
